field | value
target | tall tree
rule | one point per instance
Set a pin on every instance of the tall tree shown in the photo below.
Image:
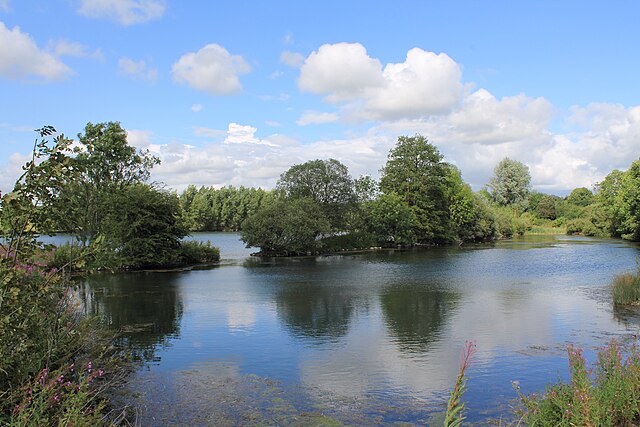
(415, 171)
(511, 183)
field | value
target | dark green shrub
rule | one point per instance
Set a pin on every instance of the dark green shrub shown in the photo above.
(192, 252)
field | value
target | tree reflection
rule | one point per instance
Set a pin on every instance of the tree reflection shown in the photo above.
(316, 311)
(145, 308)
(415, 315)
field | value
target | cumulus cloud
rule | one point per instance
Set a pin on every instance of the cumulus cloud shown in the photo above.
(124, 12)
(137, 69)
(20, 58)
(316, 117)
(424, 84)
(211, 69)
(292, 59)
(196, 108)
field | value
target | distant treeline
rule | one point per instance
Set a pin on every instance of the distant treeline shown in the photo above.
(224, 209)
(420, 199)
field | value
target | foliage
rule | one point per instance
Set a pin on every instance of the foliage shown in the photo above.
(30, 205)
(619, 197)
(104, 164)
(416, 172)
(366, 189)
(626, 288)
(580, 197)
(141, 229)
(42, 329)
(390, 220)
(326, 182)
(287, 227)
(510, 183)
(192, 252)
(608, 395)
(546, 207)
(224, 209)
(471, 217)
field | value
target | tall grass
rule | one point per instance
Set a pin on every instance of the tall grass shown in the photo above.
(626, 288)
(455, 407)
(606, 395)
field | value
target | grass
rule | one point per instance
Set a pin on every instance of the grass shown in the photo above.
(606, 395)
(542, 230)
(626, 289)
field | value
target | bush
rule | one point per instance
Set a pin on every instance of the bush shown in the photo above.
(626, 288)
(608, 395)
(68, 256)
(192, 252)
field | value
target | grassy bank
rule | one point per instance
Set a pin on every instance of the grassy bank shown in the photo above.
(626, 289)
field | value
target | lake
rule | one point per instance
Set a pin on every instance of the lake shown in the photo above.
(363, 339)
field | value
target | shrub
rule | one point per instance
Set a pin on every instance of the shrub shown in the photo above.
(608, 395)
(626, 288)
(192, 252)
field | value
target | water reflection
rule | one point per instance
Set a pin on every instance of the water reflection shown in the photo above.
(315, 311)
(145, 308)
(415, 315)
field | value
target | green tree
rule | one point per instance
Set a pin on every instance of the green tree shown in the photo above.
(366, 189)
(546, 207)
(510, 184)
(142, 229)
(580, 197)
(104, 164)
(327, 182)
(287, 227)
(391, 220)
(415, 171)
(471, 217)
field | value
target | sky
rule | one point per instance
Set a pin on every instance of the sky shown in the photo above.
(236, 92)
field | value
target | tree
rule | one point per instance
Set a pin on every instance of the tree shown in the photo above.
(104, 164)
(580, 197)
(415, 171)
(327, 182)
(546, 207)
(142, 229)
(510, 184)
(391, 220)
(287, 227)
(366, 189)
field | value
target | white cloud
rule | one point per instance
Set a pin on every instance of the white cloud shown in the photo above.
(424, 84)
(125, 12)
(292, 59)
(242, 134)
(273, 123)
(341, 71)
(70, 48)
(137, 69)
(211, 69)
(316, 117)
(11, 170)
(196, 108)
(20, 58)
(139, 138)
(4, 5)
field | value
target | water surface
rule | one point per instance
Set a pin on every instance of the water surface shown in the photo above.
(368, 339)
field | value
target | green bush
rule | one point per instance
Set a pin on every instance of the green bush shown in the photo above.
(608, 395)
(192, 252)
(626, 288)
(68, 257)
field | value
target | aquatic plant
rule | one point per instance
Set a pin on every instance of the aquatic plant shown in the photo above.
(626, 288)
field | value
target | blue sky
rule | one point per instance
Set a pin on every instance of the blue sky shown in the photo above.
(233, 93)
